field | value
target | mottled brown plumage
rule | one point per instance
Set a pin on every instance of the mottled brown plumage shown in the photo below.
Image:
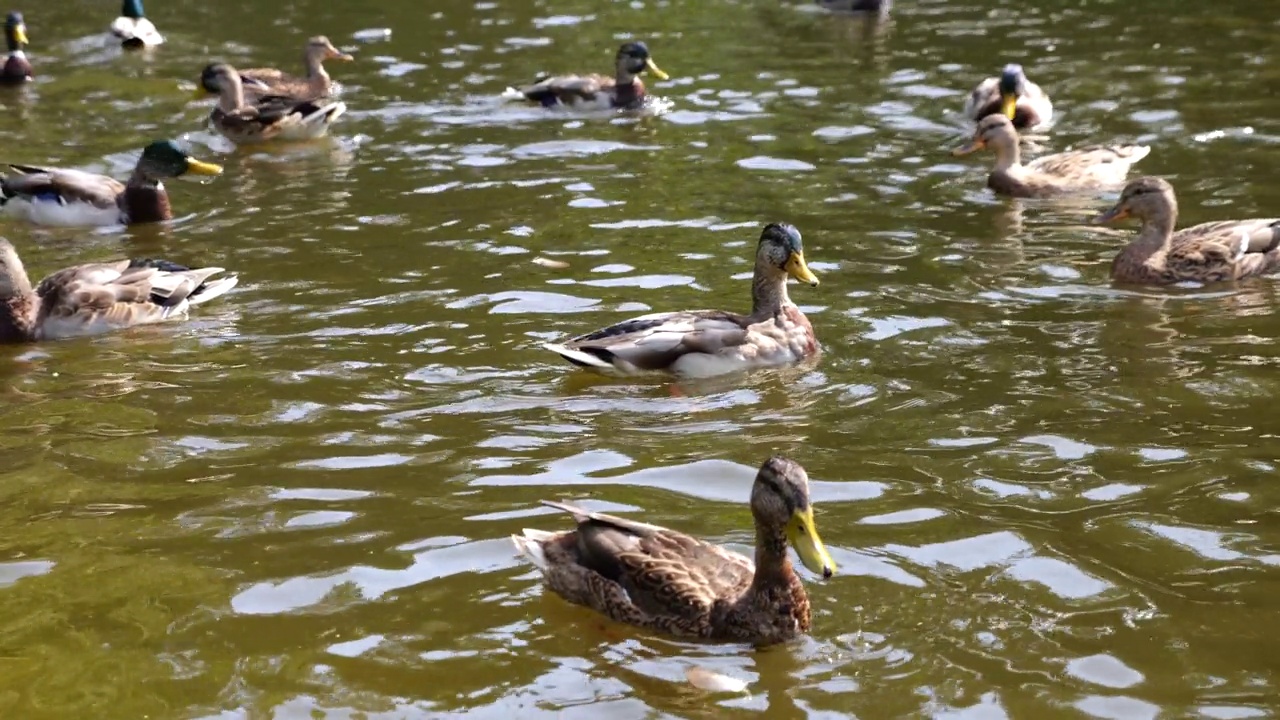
(701, 343)
(656, 578)
(1210, 252)
(1073, 171)
(266, 117)
(315, 85)
(623, 90)
(98, 297)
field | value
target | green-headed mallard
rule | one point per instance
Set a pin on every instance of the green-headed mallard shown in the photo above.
(656, 578)
(17, 69)
(1011, 95)
(700, 343)
(96, 298)
(1210, 252)
(1072, 171)
(133, 28)
(269, 117)
(315, 85)
(53, 196)
(623, 90)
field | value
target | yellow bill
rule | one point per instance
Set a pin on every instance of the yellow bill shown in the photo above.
(973, 145)
(1009, 105)
(803, 536)
(657, 71)
(197, 167)
(200, 92)
(345, 57)
(20, 34)
(798, 269)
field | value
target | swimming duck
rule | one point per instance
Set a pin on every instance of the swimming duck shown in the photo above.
(133, 28)
(1209, 252)
(268, 117)
(17, 69)
(655, 578)
(315, 85)
(701, 343)
(1011, 95)
(1072, 171)
(96, 298)
(54, 196)
(623, 90)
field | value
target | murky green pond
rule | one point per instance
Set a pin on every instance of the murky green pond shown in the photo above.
(1048, 497)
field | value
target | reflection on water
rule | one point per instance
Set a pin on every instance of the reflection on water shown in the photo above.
(1045, 494)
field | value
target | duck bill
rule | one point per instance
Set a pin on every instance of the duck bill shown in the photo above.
(344, 57)
(198, 167)
(20, 35)
(972, 146)
(797, 268)
(657, 71)
(1009, 105)
(803, 536)
(1118, 212)
(201, 92)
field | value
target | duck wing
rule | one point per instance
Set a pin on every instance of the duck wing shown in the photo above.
(656, 341)
(63, 186)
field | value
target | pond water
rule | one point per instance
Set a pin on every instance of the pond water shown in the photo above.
(1048, 496)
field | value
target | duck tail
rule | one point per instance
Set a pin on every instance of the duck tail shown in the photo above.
(577, 357)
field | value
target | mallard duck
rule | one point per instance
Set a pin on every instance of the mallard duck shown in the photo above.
(53, 196)
(17, 69)
(701, 343)
(1011, 95)
(1072, 171)
(656, 578)
(268, 117)
(623, 90)
(1209, 252)
(315, 85)
(90, 299)
(133, 28)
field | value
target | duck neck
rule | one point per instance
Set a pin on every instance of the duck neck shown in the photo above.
(145, 200)
(773, 569)
(1008, 156)
(1155, 235)
(18, 305)
(317, 76)
(768, 292)
(231, 97)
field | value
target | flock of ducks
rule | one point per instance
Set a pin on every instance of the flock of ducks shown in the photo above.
(633, 572)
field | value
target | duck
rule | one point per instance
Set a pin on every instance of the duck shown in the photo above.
(315, 85)
(1067, 172)
(624, 90)
(133, 29)
(1219, 251)
(659, 579)
(99, 297)
(268, 117)
(704, 343)
(1011, 95)
(17, 69)
(68, 198)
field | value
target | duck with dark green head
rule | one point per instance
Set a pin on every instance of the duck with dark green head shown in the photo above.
(133, 28)
(68, 198)
(17, 69)
(623, 90)
(1011, 95)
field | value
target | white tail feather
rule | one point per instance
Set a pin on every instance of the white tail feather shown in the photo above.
(577, 356)
(214, 288)
(530, 545)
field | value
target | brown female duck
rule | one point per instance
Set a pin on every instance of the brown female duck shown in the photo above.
(701, 343)
(652, 577)
(267, 117)
(316, 84)
(623, 90)
(96, 298)
(1209, 252)
(1068, 172)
